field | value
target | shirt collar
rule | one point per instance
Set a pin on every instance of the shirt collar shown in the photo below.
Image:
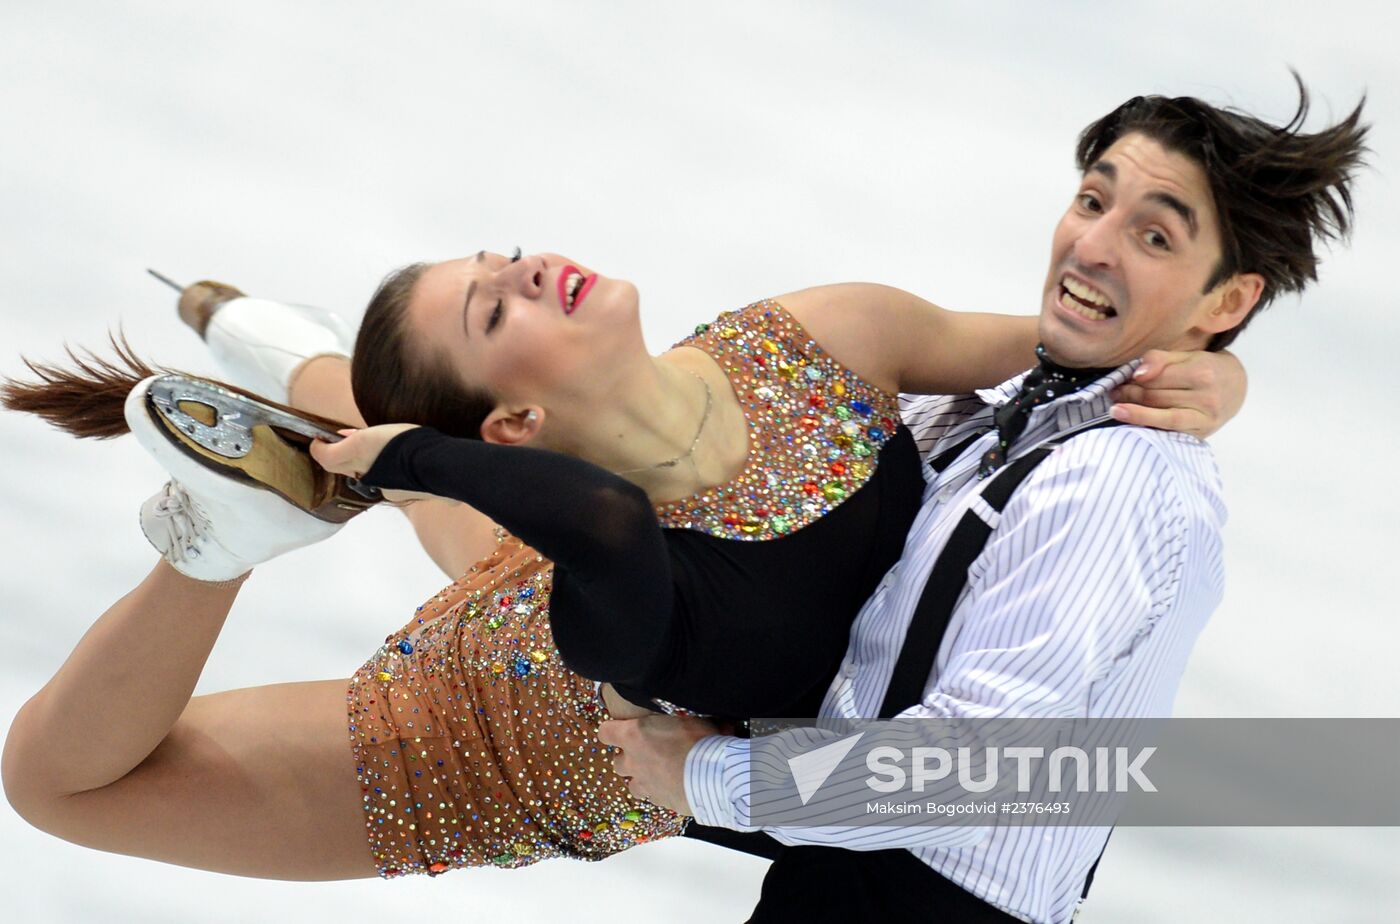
(998, 395)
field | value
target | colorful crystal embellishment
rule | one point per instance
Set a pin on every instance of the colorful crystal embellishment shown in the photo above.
(812, 442)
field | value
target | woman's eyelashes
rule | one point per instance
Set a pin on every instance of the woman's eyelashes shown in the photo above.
(496, 312)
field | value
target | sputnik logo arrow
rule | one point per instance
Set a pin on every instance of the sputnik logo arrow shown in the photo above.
(810, 770)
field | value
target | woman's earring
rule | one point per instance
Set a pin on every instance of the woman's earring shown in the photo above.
(532, 416)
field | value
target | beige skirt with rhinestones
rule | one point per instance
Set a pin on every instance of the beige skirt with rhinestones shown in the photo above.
(475, 745)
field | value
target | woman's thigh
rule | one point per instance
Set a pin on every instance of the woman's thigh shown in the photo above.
(253, 782)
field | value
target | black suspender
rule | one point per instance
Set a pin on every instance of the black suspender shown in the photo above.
(946, 457)
(949, 576)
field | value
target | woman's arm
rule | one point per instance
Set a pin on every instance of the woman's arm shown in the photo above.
(900, 342)
(612, 602)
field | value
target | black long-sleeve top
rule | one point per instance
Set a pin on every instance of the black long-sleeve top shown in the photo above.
(719, 626)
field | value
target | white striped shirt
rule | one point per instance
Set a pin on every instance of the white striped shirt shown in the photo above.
(1086, 601)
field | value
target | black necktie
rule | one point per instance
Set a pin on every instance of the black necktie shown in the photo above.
(1045, 382)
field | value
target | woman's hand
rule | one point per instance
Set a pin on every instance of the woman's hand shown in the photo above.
(1196, 392)
(355, 454)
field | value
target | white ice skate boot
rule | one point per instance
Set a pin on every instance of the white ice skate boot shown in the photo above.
(245, 489)
(220, 530)
(259, 343)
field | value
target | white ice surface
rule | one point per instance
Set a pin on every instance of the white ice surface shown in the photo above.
(712, 153)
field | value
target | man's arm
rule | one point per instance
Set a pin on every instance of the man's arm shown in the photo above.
(1093, 553)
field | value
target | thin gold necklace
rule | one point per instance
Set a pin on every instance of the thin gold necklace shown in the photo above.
(670, 463)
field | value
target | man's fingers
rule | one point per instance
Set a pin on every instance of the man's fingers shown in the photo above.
(613, 731)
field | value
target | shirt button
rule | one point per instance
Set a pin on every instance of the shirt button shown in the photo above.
(849, 669)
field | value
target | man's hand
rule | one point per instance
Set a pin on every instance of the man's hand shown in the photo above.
(651, 754)
(1195, 393)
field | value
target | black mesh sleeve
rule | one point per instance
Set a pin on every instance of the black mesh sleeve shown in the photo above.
(612, 604)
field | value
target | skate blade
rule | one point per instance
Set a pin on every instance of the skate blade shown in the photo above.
(261, 445)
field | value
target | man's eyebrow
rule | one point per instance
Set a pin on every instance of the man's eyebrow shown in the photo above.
(471, 287)
(1104, 167)
(1187, 213)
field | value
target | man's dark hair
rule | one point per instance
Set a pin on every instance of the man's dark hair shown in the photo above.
(1276, 189)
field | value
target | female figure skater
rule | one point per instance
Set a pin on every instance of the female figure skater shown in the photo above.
(769, 444)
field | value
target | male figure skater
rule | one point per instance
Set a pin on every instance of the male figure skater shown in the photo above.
(1102, 568)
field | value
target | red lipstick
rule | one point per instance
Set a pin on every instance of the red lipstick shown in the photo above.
(583, 290)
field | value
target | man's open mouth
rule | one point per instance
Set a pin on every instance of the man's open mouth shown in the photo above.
(1084, 300)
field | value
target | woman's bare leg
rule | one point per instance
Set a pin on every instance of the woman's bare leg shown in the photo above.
(321, 385)
(114, 754)
(454, 535)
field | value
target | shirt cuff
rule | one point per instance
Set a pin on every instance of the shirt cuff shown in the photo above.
(717, 782)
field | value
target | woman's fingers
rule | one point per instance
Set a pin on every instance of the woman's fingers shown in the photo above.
(1175, 369)
(1188, 410)
(1153, 362)
(358, 451)
(333, 457)
(1183, 420)
(1211, 384)
(1156, 397)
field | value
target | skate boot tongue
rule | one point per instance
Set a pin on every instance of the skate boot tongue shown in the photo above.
(179, 530)
(220, 534)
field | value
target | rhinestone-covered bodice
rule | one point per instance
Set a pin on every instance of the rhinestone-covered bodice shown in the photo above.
(815, 428)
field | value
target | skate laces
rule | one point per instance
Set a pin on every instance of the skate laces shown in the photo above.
(179, 521)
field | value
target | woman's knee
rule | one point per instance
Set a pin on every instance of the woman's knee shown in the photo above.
(28, 788)
(254, 782)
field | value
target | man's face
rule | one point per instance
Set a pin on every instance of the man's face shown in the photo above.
(1130, 258)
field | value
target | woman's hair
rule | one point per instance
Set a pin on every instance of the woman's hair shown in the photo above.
(398, 380)
(1276, 188)
(393, 379)
(90, 402)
